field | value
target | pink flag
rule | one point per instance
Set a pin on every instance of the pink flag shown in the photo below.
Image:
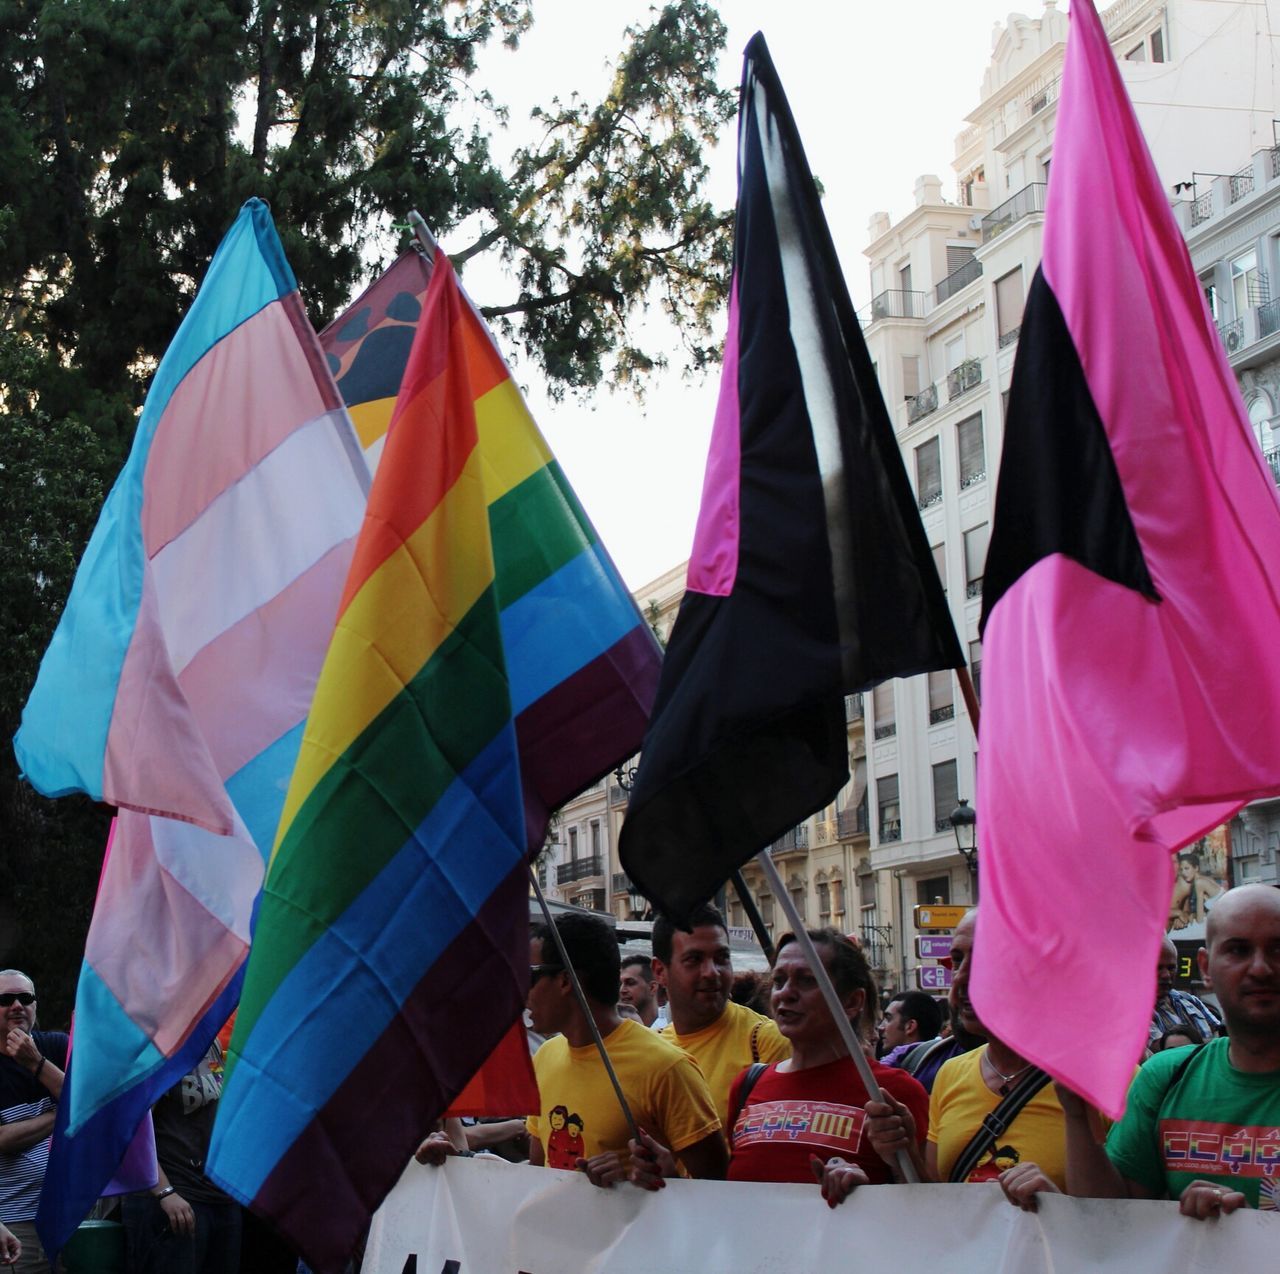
(1132, 604)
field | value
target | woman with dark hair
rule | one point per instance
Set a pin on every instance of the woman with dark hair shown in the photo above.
(801, 1119)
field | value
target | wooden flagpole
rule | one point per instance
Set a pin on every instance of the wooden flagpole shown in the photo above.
(969, 694)
(582, 1003)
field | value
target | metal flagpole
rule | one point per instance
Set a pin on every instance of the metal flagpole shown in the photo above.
(829, 993)
(582, 1003)
(969, 694)
(753, 914)
(426, 240)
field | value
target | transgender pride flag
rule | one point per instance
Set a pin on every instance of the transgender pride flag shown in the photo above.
(178, 681)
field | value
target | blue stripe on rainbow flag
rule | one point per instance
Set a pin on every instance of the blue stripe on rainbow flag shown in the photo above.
(563, 623)
(416, 909)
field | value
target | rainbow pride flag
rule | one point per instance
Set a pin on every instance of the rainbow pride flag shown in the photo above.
(178, 681)
(582, 664)
(482, 629)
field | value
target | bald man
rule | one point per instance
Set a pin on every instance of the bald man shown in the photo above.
(1178, 1010)
(1203, 1122)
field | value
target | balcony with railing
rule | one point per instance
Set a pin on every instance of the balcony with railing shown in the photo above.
(591, 899)
(796, 841)
(853, 709)
(621, 882)
(1269, 318)
(947, 712)
(961, 379)
(897, 304)
(1201, 208)
(1008, 338)
(877, 941)
(1240, 184)
(973, 588)
(890, 830)
(1273, 461)
(826, 831)
(925, 402)
(1232, 334)
(886, 730)
(1028, 201)
(853, 823)
(958, 279)
(580, 869)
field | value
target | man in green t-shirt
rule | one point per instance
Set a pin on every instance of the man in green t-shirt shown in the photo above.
(1203, 1124)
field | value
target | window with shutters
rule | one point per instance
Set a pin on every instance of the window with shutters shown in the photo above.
(942, 705)
(940, 562)
(890, 811)
(958, 256)
(975, 557)
(1009, 301)
(975, 666)
(886, 719)
(945, 795)
(973, 453)
(910, 375)
(929, 473)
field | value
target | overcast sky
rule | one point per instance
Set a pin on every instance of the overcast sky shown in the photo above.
(879, 92)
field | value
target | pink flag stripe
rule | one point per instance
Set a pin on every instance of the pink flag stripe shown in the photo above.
(713, 564)
(157, 758)
(176, 955)
(255, 681)
(264, 412)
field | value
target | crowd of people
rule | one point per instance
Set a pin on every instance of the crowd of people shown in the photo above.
(750, 1079)
(722, 1090)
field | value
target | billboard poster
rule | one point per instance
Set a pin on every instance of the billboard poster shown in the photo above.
(1202, 875)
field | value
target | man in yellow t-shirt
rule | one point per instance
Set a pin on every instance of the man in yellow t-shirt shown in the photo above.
(962, 1098)
(722, 1037)
(581, 1124)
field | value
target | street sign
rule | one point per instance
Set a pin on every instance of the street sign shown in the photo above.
(939, 917)
(933, 947)
(933, 977)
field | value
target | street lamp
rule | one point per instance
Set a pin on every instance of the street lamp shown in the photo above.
(964, 823)
(639, 903)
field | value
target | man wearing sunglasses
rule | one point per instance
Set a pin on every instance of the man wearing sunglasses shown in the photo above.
(32, 1063)
(581, 1125)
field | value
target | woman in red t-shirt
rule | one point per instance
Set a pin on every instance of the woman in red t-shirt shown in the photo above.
(803, 1118)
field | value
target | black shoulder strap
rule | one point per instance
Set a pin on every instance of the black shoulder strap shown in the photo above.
(754, 1071)
(1176, 1078)
(914, 1061)
(996, 1124)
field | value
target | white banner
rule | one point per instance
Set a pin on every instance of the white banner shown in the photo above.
(484, 1216)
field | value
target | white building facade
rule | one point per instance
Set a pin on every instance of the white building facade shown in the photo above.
(948, 283)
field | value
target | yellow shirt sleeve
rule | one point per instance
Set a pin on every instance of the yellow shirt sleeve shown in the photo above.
(684, 1103)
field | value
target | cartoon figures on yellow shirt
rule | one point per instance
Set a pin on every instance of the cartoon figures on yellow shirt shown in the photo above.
(997, 1161)
(565, 1145)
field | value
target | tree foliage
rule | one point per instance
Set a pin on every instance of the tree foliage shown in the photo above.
(132, 130)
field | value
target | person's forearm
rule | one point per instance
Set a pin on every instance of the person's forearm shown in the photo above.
(482, 1136)
(1090, 1173)
(25, 1133)
(51, 1077)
